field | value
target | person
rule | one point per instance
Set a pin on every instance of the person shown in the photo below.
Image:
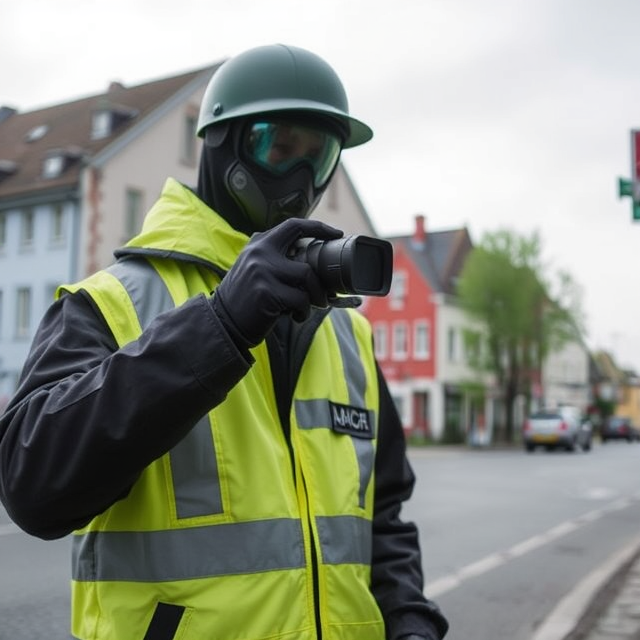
(203, 416)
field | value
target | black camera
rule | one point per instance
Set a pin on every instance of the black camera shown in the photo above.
(354, 264)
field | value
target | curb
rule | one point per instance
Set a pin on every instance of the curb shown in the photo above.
(576, 606)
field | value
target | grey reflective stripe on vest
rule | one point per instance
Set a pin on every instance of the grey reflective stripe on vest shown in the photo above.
(357, 386)
(312, 414)
(345, 539)
(194, 467)
(189, 553)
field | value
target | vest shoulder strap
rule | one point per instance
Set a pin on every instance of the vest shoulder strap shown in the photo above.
(124, 293)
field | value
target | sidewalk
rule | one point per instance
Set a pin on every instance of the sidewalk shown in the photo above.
(618, 613)
(604, 606)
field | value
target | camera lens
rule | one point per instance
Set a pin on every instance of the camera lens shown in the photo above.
(367, 274)
(352, 265)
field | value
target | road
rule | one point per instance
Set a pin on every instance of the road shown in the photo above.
(504, 534)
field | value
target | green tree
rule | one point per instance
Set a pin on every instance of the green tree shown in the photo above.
(502, 285)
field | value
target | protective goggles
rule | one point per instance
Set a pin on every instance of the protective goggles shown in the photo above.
(279, 146)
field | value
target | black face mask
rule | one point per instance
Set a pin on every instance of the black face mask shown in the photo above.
(250, 197)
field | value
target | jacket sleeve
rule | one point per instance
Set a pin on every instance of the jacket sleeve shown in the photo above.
(396, 574)
(88, 417)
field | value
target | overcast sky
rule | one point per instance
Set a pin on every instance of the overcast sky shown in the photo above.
(494, 114)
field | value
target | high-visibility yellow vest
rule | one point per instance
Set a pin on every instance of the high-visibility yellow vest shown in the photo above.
(237, 534)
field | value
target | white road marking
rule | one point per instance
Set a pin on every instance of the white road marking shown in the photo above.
(562, 529)
(527, 545)
(481, 566)
(590, 516)
(453, 580)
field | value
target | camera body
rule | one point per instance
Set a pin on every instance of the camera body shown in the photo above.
(355, 264)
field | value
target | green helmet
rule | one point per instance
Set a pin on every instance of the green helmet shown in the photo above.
(278, 78)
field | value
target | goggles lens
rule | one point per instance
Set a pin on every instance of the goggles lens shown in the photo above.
(278, 147)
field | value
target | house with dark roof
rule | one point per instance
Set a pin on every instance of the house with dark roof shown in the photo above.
(418, 332)
(76, 180)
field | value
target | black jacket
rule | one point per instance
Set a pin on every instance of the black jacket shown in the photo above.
(88, 417)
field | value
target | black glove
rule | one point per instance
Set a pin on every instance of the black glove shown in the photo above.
(264, 283)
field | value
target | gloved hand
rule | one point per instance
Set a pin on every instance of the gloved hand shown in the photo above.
(264, 283)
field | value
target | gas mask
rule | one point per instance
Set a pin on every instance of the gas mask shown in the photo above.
(278, 169)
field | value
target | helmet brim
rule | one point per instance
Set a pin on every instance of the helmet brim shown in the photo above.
(359, 132)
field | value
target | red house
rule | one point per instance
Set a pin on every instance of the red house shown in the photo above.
(418, 330)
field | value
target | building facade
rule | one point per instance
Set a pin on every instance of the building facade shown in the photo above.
(419, 339)
(565, 377)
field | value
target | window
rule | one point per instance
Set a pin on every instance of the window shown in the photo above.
(53, 166)
(3, 230)
(400, 339)
(421, 340)
(452, 344)
(27, 228)
(36, 133)
(380, 340)
(23, 312)
(189, 139)
(57, 229)
(133, 212)
(101, 124)
(7, 168)
(398, 291)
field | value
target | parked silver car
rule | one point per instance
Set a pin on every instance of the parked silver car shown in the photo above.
(558, 427)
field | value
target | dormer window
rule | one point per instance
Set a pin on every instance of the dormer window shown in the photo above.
(7, 168)
(101, 124)
(53, 166)
(106, 120)
(57, 161)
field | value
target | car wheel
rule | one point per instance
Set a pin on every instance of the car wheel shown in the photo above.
(529, 447)
(587, 446)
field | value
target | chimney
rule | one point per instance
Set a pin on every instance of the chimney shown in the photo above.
(420, 232)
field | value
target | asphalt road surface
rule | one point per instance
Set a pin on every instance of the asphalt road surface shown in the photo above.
(505, 535)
